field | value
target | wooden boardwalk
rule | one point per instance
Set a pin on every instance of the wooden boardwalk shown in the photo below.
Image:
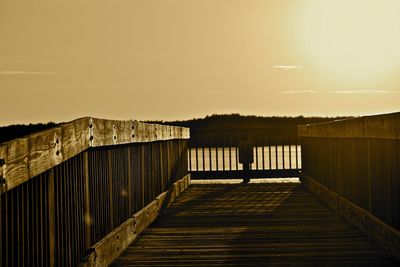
(252, 225)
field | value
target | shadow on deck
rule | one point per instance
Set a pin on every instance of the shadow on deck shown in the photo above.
(275, 224)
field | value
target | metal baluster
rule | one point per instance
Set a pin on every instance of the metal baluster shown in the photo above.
(269, 152)
(216, 156)
(197, 159)
(297, 156)
(290, 154)
(263, 156)
(256, 146)
(223, 154)
(209, 152)
(203, 156)
(230, 153)
(190, 158)
(276, 152)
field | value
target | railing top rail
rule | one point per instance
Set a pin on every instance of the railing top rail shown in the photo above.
(385, 126)
(25, 157)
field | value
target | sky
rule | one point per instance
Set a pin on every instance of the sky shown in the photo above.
(179, 59)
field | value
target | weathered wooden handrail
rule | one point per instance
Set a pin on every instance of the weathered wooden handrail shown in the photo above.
(354, 165)
(26, 157)
(384, 126)
(67, 188)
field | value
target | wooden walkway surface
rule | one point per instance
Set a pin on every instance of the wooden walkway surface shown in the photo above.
(252, 225)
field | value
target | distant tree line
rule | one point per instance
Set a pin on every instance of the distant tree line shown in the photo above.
(214, 130)
(237, 121)
(215, 121)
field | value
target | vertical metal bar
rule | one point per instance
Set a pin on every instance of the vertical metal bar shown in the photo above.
(76, 208)
(290, 154)
(166, 163)
(256, 146)
(22, 223)
(283, 155)
(223, 153)
(68, 234)
(204, 157)
(2, 238)
(237, 158)
(353, 168)
(67, 191)
(7, 230)
(216, 155)
(8, 250)
(51, 218)
(269, 152)
(369, 178)
(12, 228)
(129, 182)
(276, 152)
(190, 158)
(209, 151)
(297, 156)
(77, 211)
(151, 171)
(142, 160)
(36, 229)
(46, 219)
(89, 198)
(87, 217)
(160, 158)
(110, 186)
(263, 152)
(61, 215)
(18, 232)
(43, 259)
(96, 200)
(230, 153)
(338, 159)
(197, 159)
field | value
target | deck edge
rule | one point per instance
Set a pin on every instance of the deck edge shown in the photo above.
(382, 233)
(104, 252)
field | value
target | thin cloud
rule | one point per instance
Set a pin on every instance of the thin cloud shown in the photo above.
(287, 67)
(21, 72)
(225, 91)
(360, 92)
(293, 92)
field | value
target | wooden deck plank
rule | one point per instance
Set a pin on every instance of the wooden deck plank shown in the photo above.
(252, 225)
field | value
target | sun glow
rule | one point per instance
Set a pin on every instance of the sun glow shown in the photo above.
(354, 40)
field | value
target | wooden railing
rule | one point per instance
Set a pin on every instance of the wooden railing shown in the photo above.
(65, 189)
(354, 165)
(214, 154)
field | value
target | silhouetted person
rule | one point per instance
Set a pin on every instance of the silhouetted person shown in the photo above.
(246, 156)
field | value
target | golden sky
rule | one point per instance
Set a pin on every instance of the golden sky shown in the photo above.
(178, 59)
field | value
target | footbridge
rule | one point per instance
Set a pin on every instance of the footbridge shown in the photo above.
(96, 192)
